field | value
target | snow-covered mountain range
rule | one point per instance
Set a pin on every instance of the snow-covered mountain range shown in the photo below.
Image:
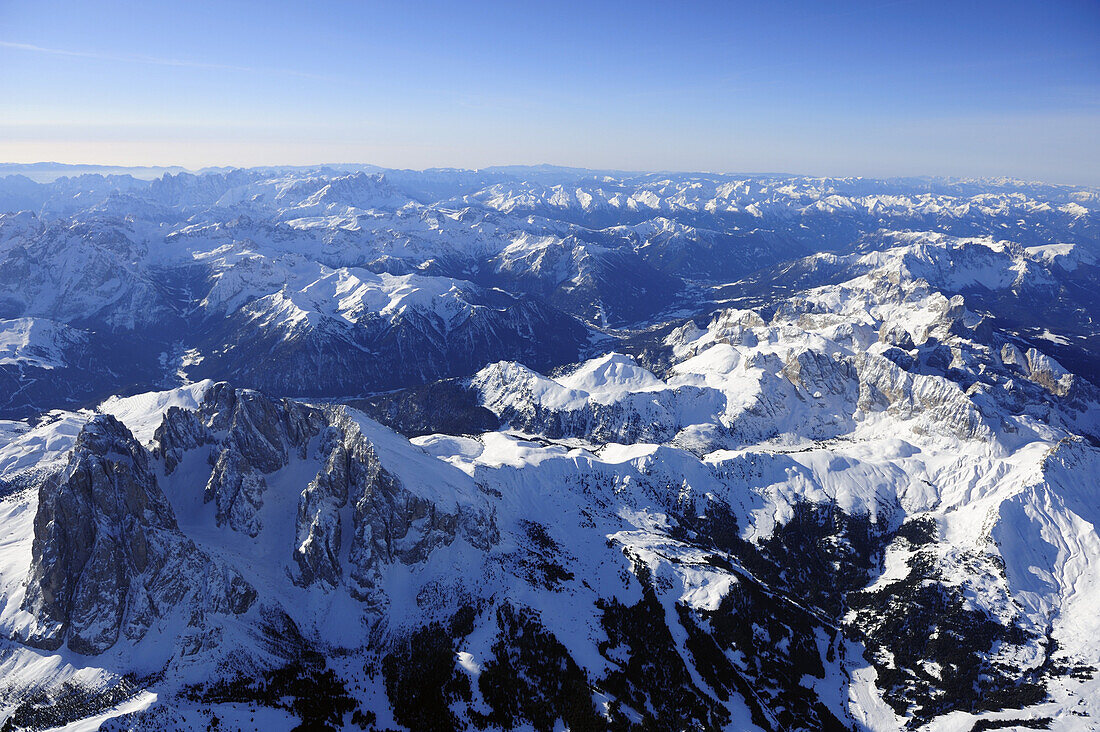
(540, 448)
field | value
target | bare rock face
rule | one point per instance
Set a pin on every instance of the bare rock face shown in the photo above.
(1048, 373)
(108, 558)
(637, 417)
(895, 334)
(389, 523)
(735, 327)
(354, 517)
(262, 436)
(253, 436)
(884, 386)
(180, 431)
(817, 373)
(319, 525)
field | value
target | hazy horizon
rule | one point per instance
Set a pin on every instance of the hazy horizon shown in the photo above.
(48, 174)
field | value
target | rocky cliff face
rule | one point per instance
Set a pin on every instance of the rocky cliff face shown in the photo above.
(353, 518)
(388, 522)
(260, 437)
(108, 558)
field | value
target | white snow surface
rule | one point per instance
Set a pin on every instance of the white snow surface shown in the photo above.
(36, 342)
(143, 413)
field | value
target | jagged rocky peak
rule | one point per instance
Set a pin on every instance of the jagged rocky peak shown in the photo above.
(108, 559)
(735, 327)
(1048, 373)
(253, 436)
(261, 436)
(395, 514)
(358, 513)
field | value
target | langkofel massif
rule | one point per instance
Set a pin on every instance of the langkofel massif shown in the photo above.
(545, 449)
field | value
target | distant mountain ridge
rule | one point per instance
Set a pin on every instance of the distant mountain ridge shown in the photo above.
(605, 252)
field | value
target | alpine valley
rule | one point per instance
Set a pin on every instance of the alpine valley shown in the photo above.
(548, 449)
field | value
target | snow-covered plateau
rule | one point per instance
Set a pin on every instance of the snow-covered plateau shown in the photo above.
(546, 449)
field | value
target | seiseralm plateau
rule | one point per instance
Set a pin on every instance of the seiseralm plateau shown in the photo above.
(545, 449)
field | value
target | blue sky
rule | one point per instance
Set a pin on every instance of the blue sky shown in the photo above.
(893, 87)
